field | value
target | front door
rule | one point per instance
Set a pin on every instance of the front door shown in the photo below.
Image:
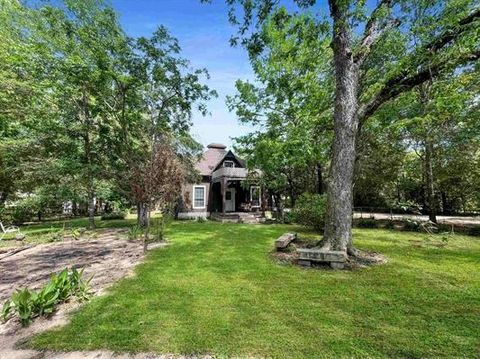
(230, 200)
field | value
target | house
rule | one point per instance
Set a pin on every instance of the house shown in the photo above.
(223, 188)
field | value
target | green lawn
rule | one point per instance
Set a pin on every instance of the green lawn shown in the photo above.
(216, 290)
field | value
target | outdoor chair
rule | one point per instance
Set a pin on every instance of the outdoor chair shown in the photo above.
(8, 229)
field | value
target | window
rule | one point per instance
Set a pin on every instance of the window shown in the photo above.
(255, 196)
(198, 196)
(228, 164)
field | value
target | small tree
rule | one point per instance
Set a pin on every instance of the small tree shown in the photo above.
(155, 181)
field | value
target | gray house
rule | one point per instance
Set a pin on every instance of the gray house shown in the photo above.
(222, 191)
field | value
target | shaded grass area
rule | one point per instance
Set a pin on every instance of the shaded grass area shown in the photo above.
(216, 290)
(40, 233)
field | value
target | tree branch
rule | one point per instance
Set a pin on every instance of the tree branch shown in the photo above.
(374, 29)
(398, 85)
(406, 81)
(451, 34)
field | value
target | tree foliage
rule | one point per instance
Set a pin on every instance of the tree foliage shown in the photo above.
(81, 102)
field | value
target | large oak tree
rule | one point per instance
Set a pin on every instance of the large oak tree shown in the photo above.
(375, 59)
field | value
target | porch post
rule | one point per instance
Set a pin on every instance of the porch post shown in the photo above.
(223, 188)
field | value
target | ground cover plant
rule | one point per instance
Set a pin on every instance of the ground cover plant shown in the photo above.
(215, 289)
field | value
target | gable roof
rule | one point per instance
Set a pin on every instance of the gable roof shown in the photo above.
(213, 157)
(232, 157)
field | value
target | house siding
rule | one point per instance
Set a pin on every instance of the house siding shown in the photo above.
(187, 211)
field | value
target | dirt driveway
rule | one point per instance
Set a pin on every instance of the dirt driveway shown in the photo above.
(107, 257)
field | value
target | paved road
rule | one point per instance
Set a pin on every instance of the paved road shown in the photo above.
(422, 218)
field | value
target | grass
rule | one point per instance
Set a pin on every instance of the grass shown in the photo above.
(215, 290)
(39, 233)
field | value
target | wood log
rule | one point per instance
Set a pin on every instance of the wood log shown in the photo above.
(284, 240)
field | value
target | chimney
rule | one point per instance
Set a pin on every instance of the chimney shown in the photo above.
(217, 146)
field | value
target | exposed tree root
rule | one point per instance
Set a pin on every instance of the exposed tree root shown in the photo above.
(359, 258)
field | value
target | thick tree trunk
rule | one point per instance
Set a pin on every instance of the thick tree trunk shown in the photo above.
(142, 215)
(338, 221)
(432, 206)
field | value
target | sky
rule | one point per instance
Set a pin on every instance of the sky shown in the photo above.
(203, 32)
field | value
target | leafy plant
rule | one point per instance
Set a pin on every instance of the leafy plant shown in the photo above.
(410, 225)
(28, 304)
(310, 210)
(20, 303)
(134, 232)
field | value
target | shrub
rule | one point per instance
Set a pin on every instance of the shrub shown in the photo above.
(201, 219)
(134, 232)
(113, 215)
(412, 226)
(390, 224)
(22, 213)
(288, 217)
(310, 210)
(367, 223)
(27, 304)
(474, 231)
(159, 226)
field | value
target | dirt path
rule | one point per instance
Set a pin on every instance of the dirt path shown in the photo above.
(107, 257)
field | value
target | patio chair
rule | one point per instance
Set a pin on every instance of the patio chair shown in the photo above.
(8, 229)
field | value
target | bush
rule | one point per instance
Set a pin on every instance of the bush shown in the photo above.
(288, 217)
(113, 215)
(390, 224)
(27, 304)
(367, 223)
(310, 210)
(411, 226)
(134, 232)
(22, 213)
(159, 226)
(474, 231)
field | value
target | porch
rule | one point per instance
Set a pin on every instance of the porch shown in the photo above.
(229, 194)
(232, 196)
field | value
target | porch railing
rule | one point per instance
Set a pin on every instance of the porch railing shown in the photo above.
(231, 172)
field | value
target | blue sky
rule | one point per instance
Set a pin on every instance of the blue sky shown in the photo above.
(203, 32)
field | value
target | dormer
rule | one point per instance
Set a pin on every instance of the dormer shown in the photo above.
(230, 161)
